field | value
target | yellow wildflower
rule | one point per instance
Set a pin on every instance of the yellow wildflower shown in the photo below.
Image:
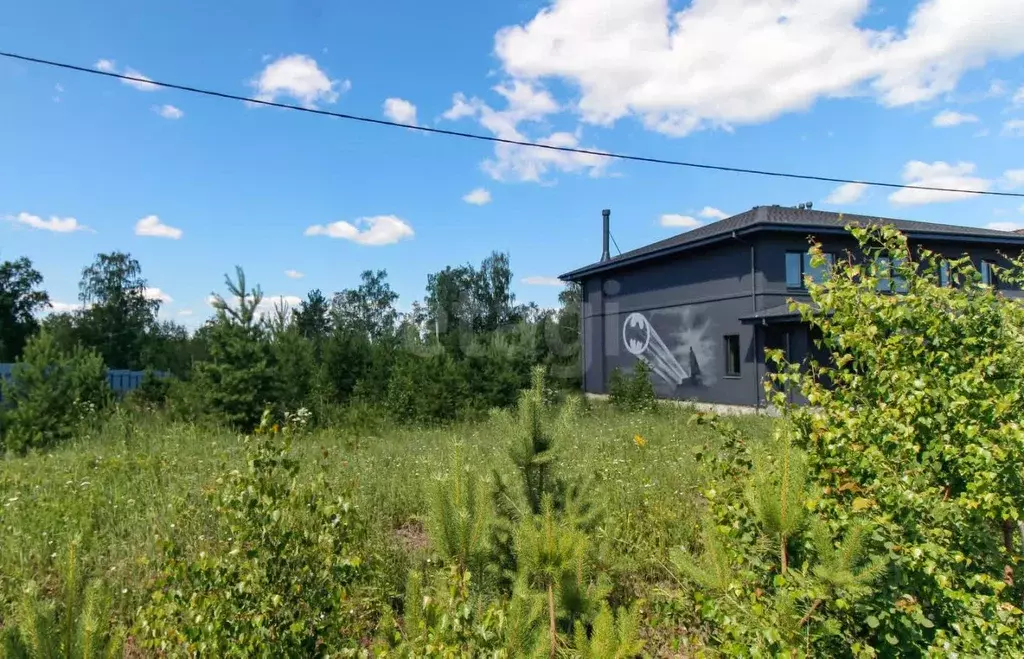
(276, 428)
(639, 441)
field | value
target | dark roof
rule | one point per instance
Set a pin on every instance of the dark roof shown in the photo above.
(791, 219)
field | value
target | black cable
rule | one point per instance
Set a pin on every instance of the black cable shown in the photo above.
(610, 235)
(498, 140)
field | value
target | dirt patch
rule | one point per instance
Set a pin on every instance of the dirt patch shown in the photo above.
(412, 536)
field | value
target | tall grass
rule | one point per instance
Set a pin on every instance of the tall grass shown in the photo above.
(120, 489)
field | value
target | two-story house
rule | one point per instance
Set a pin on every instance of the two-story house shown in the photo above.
(700, 308)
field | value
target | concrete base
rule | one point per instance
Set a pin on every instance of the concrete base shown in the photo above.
(715, 408)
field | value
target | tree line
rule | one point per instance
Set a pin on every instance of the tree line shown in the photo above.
(347, 356)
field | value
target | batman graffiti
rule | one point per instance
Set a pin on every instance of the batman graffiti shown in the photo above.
(641, 340)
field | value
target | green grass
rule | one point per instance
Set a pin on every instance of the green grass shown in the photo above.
(122, 489)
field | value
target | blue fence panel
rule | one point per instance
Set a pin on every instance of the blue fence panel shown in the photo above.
(121, 382)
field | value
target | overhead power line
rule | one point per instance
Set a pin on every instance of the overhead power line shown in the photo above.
(497, 140)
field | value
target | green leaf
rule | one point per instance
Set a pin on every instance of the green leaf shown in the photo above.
(872, 622)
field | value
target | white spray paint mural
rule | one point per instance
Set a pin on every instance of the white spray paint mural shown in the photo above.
(641, 340)
(691, 351)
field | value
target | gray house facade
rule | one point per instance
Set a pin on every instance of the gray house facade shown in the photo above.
(702, 307)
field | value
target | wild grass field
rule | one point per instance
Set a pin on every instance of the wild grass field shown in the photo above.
(462, 507)
(117, 493)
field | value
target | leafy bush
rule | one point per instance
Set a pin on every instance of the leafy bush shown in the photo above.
(50, 393)
(633, 392)
(914, 455)
(279, 579)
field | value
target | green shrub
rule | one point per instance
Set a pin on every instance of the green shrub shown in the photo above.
(902, 539)
(76, 626)
(279, 579)
(633, 392)
(50, 393)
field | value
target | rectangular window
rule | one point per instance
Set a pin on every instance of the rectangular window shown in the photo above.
(817, 275)
(944, 280)
(798, 266)
(883, 270)
(732, 355)
(794, 270)
(899, 283)
(988, 275)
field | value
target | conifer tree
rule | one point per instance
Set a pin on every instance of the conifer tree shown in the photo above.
(237, 378)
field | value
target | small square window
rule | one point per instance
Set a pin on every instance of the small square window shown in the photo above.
(732, 355)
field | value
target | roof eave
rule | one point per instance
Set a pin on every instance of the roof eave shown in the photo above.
(605, 266)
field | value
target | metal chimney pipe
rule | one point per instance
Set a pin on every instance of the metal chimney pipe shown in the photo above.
(606, 216)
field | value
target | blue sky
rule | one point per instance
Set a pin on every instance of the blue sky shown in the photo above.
(916, 91)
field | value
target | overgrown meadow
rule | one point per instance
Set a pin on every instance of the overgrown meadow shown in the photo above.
(120, 492)
(320, 488)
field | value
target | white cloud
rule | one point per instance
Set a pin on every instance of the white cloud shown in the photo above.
(185, 312)
(478, 197)
(65, 307)
(1004, 226)
(715, 63)
(713, 213)
(525, 103)
(847, 193)
(157, 294)
(267, 305)
(375, 231)
(1014, 128)
(542, 281)
(938, 175)
(54, 224)
(948, 118)
(142, 84)
(152, 226)
(169, 111)
(293, 274)
(298, 77)
(1018, 98)
(676, 221)
(400, 111)
(1013, 178)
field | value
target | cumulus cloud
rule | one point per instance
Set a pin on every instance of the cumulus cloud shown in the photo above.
(949, 118)
(54, 224)
(1004, 226)
(1013, 178)
(400, 111)
(525, 103)
(539, 280)
(679, 221)
(478, 197)
(713, 213)
(169, 111)
(293, 274)
(718, 63)
(267, 305)
(938, 175)
(1018, 98)
(1014, 128)
(65, 307)
(152, 226)
(142, 82)
(298, 77)
(157, 294)
(847, 193)
(374, 231)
